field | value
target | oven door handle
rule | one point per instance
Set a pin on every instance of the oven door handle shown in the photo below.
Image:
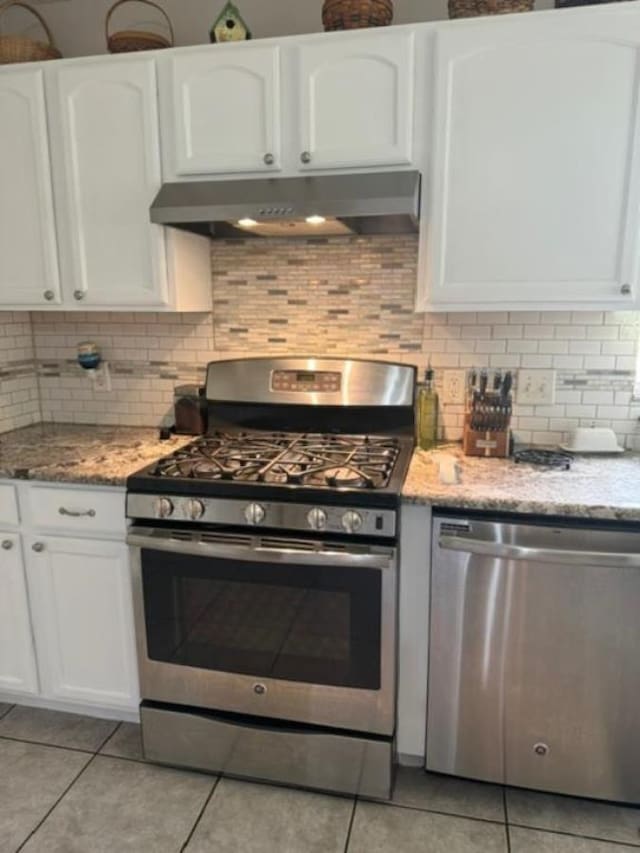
(383, 559)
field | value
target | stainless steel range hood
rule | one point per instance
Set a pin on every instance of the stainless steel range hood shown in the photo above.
(375, 202)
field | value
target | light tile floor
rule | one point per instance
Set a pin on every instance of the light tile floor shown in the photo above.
(73, 784)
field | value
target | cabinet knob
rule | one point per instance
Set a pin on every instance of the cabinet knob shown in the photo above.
(38, 547)
(49, 295)
(7, 544)
(305, 157)
(269, 159)
(625, 290)
(78, 295)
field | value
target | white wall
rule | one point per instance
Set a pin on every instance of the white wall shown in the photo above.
(78, 25)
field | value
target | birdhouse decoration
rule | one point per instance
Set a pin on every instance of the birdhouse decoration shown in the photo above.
(230, 26)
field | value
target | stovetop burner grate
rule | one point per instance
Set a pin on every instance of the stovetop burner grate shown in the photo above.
(302, 459)
(545, 458)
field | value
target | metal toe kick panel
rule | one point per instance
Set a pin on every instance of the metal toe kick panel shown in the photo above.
(300, 756)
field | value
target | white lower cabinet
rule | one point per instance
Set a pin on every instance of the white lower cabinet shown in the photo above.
(18, 673)
(80, 593)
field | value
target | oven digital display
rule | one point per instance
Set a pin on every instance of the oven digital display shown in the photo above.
(323, 381)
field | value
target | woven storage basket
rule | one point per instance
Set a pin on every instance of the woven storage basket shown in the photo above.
(126, 41)
(472, 8)
(351, 14)
(22, 49)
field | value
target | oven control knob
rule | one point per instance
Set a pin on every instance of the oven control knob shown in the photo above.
(317, 518)
(255, 513)
(352, 521)
(195, 509)
(163, 507)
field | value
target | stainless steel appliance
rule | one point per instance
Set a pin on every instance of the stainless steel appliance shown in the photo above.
(265, 572)
(372, 203)
(534, 671)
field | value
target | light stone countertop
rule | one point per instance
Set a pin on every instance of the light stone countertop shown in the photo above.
(70, 453)
(600, 487)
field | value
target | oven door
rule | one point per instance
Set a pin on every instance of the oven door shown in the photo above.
(282, 628)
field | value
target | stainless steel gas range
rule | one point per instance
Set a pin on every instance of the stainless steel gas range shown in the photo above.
(264, 562)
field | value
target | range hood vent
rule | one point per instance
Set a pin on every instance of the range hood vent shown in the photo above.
(375, 202)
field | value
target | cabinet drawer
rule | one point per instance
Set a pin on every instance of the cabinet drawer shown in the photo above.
(82, 511)
(8, 504)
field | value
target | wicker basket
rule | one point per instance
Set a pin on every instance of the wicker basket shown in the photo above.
(472, 8)
(351, 14)
(126, 41)
(22, 49)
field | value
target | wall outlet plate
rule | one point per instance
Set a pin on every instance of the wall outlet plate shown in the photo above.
(536, 387)
(102, 377)
(453, 386)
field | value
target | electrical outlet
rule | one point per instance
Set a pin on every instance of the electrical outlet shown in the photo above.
(453, 386)
(102, 378)
(536, 387)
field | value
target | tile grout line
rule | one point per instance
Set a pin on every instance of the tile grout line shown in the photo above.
(57, 803)
(459, 815)
(4, 713)
(108, 738)
(506, 818)
(200, 814)
(568, 834)
(50, 745)
(350, 827)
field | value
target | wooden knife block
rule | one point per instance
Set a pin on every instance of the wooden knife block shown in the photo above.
(489, 443)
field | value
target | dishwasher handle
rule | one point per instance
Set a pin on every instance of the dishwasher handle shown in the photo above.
(499, 550)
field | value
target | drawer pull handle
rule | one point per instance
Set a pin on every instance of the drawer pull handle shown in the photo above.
(7, 544)
(38, 547)
(77, 513)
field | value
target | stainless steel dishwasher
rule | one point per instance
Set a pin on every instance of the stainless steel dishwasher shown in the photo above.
(534, 658)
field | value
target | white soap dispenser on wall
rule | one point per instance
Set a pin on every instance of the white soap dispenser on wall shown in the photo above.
(90, 360)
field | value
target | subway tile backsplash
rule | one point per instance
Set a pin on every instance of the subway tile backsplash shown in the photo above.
(19, 399)
(336, 296)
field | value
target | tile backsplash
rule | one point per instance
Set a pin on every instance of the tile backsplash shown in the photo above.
(19, 399)
(336, 296)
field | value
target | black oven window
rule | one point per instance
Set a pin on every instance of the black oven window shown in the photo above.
(317, 624)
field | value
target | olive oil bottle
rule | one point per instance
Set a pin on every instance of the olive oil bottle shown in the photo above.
(427, 412)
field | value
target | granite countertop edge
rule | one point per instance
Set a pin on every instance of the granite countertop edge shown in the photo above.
(81, 454)
(484, 504)
(605, 488)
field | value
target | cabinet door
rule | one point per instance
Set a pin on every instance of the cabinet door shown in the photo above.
(106, 154)
(17, 660)
(535, 171)
(82, 613)
(28, 251)
(356, 101)
(221, 110)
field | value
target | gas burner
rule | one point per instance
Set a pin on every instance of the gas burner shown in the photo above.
(301, 459)
(546, 458)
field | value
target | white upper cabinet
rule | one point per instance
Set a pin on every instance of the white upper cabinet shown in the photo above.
(106, 155)
(221, 110)
(17, 659)
(533, 198)
(355, 100)
(28, 253)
